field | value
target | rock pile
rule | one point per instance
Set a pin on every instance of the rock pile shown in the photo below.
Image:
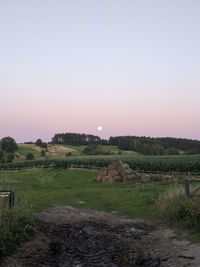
(118, 172)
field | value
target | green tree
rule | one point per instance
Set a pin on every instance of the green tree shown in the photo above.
(8, 144)
(40, 143)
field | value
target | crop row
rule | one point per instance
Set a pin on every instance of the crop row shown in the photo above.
(142, 163)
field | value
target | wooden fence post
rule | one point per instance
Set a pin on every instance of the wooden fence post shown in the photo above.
(187, 187)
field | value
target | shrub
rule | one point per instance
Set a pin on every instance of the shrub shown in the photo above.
(10, 157)
(93, 149)
(43, 153)
(29, 156)
(68, 154)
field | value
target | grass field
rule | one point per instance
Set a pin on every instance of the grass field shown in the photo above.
(59, 151)
(78, 150)
(23, 150)
(44, 188)
(155, 200)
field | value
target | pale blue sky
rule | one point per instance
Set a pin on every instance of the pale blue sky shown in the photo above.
(72, 65)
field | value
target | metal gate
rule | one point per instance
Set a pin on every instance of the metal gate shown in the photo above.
(187, 187)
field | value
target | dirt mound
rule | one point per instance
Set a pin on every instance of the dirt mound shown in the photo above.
(117, 172)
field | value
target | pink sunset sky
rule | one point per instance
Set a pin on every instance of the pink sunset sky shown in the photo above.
(131, 66)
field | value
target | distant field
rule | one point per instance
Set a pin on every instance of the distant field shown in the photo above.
(115, 150)
(77, 150)
(24, 149)
(59, 151)
(53, 151)
(112, 149)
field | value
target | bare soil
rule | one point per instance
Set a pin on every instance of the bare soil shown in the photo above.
(70, 237)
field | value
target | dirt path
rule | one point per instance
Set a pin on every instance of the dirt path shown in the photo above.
(69, 237)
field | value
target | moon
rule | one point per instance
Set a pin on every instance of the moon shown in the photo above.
(99, 128)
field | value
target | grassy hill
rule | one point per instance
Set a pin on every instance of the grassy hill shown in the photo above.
(60, 151)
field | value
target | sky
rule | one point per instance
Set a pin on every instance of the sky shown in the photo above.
(130, 66)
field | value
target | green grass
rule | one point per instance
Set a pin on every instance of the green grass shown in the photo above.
(16, 226)
(23, 150)
(112, 149)
(115, 150)
(44, 188)
(78, 149)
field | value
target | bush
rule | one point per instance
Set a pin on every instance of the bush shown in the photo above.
(10, 157)
(96, 150)
(16, 225)
(29, 156)
(43, 153)
(68, 154)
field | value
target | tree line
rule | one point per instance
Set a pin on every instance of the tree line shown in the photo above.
(143, 145)
(77, 139)
(156, 146)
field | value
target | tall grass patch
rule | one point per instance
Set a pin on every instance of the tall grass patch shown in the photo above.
(175, 208)
(16, 226)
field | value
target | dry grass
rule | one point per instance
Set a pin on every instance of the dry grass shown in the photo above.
(58, 150)
(174, 207)
(167, 200)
